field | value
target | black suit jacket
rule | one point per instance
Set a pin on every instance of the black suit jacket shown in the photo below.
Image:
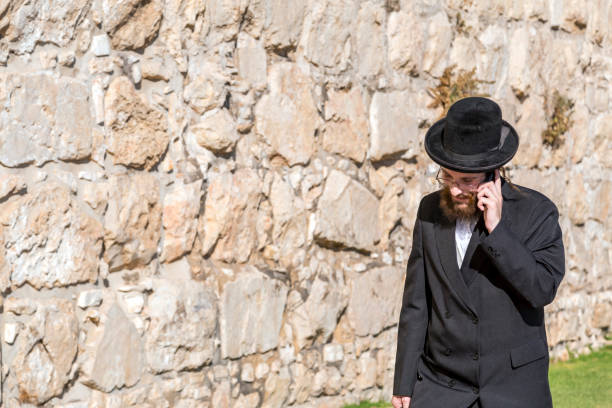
(478, 331)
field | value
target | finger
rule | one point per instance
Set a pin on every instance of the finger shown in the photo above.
(497, 178)
(396, 402)
(487, 202)
(405, 402)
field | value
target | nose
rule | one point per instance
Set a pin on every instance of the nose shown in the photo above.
(455, 191)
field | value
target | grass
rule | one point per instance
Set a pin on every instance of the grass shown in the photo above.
(584, 381)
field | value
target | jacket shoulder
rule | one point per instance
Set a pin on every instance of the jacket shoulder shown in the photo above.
(530, 198)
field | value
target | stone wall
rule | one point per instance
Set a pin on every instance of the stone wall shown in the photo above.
(210, 203)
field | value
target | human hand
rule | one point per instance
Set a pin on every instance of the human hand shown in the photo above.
(400, 402)
(490, 201)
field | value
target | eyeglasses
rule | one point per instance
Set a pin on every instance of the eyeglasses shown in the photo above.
(447, 182)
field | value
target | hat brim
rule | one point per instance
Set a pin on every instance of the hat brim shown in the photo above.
(470, 164)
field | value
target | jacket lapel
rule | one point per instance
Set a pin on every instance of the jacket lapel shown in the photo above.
(468, 269)
(445, 241)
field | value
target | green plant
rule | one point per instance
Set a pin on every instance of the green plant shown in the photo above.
(559, 121)
(454, 86)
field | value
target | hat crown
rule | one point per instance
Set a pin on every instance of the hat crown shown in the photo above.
(473, 125)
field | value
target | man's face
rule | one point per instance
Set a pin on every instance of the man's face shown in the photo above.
(458, 199)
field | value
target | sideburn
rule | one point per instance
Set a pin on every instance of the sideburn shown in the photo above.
(452, 212)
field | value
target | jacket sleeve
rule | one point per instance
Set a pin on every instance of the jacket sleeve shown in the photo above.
(535, 266)
(413, 318)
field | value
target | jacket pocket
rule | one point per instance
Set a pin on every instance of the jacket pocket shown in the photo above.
(528, 352)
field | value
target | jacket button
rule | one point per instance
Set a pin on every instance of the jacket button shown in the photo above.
(490, 249)
(475, 356)
(475, 390)
(451, 383)
(475, 320)
(447, 352)
(419, 377)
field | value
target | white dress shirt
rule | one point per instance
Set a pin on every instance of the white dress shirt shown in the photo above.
(463, 234)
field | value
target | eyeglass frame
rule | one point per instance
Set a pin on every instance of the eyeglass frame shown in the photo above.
(444, 183)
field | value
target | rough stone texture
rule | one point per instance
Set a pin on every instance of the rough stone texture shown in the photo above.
(216, 131)
(210, 203)
(183, 320)
(49, 241)
(113, 355)
(136, 132)
(251, 311)
(133, 220)
(46, 349)
(394, 128)
(27, 23)
(287, 117)
(179, 219)
(347, 214)
(43, 119)
(383, 287)
(140, 29)
(346, 132)
(227, 227)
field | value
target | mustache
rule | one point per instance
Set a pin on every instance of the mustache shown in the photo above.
(453, 210)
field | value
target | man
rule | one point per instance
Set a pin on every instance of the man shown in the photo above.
(486, 257)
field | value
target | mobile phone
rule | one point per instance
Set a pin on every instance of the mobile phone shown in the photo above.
(489, 176)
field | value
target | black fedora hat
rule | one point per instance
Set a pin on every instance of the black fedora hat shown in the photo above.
(472, 138)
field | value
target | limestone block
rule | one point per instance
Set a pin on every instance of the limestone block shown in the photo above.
(602, 315)
(43, 118)
(602, 142)
(252, 61)
(179, 218)
(89, 298)
(11, 330)
(369, 39)
(598, 25)
(439, 37)
(136, 132)
(406, 41)
(225, 16)
(228, 228)
(113, 353)
(283, 20)
(530, 126)
(276, 390)
(27, 23)
(287, 117)
(333, 353)
(330, 24)
(20, 306)
(367, 371)
(216, 131)
(569, 15)
(579, 132)
(183, 320)
(203, 94)
(11, 184)
(316, 318)
(382, 287)
(117, 13)
(577, 199)
(394, 128)
(133, 220)
(519, 68)
(248, 401)
(100, 45)
(251, 310)
(48, 241)
(347, 214)
(140, 28)
(346, 130)
(46, 348)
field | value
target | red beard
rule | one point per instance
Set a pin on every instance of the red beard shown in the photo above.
(464, 210)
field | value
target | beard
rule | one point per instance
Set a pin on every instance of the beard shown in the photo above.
(466, 210)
